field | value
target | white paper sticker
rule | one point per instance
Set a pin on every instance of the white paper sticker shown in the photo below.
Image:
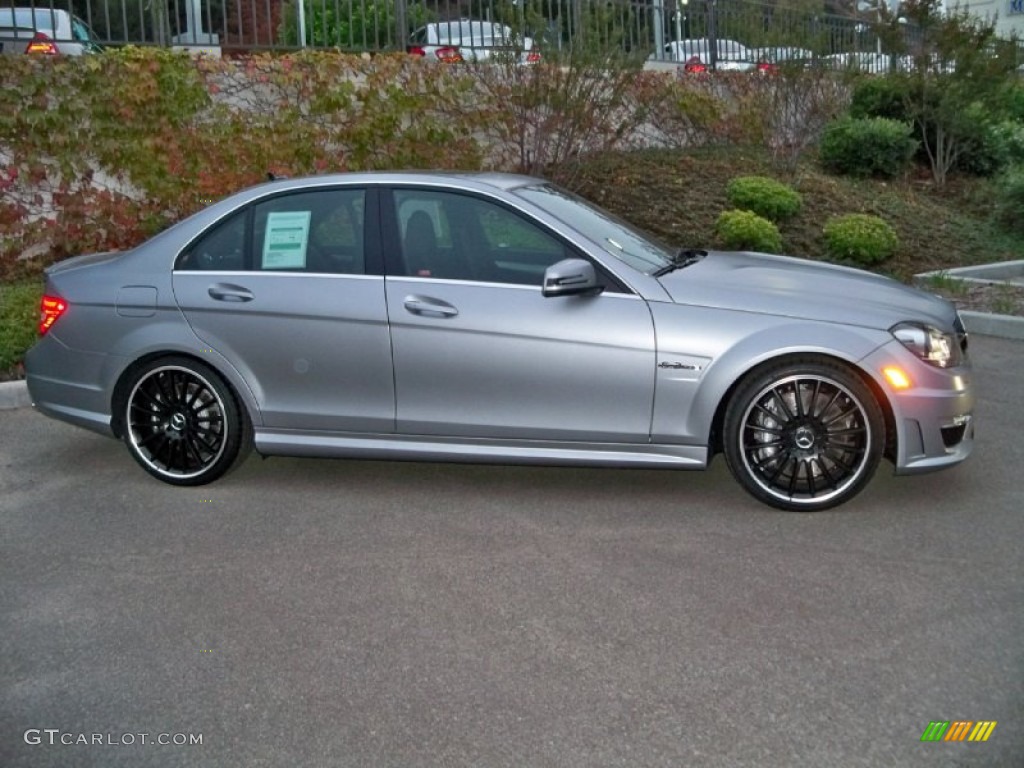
(284, 246)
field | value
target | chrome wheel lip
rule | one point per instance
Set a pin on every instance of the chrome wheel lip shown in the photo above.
(862, 449)
(176, 418)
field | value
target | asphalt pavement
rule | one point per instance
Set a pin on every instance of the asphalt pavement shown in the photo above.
(347, 613)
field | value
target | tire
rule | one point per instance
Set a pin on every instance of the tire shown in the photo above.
(182, 422)
(803, 435)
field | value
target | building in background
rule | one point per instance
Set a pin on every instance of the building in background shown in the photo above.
(1009, 14)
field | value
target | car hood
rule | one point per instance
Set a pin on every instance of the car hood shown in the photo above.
(798, 288)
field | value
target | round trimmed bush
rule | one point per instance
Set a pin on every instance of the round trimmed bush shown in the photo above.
(872, 146)
(764, 196)
(861, 238)
(745, 230)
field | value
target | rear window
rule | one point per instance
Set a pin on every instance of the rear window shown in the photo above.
(40, 18)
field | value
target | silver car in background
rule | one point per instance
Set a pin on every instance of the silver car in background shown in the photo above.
(44, 31)
(494, 318)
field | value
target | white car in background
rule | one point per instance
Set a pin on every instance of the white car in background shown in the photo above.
(44, 31)
(731, 56)
(471, 40)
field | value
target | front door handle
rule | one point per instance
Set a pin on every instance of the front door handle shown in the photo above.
(431, 307)
(229, 292)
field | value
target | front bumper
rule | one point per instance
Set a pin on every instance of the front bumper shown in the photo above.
(933, 417)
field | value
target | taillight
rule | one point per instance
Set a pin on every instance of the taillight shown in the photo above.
(42, 44)
(50, 310)
(695, 66)
(449, 54)
(416, 50)
(766, 67)
(532, 57)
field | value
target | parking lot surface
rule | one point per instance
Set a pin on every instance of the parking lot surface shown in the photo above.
(349, 613)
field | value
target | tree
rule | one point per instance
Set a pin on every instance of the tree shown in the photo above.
(960, 68)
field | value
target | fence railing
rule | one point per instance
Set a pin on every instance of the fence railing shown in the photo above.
(667, 30)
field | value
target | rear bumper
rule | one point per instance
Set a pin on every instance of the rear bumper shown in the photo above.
(69, 384)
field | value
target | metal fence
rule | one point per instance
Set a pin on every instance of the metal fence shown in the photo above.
(669, 30)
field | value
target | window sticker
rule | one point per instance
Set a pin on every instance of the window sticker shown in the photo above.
(284, 246)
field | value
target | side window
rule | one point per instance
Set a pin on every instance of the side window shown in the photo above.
(318, 231)
(79, 31)
(459, 237)
(220, 248)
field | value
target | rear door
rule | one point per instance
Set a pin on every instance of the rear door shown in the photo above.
(290, 291)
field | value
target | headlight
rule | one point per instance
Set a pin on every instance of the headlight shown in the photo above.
(928, 343)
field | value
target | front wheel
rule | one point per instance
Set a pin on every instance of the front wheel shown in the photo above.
(803, 435)
(182, 422)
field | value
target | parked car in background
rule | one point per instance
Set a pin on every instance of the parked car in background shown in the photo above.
(782, 55)
(44, 31)
(471, 40)
(863, 61)
(731, 55)
(494, 318)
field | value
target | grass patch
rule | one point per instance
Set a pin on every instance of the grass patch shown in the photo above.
(19, 316)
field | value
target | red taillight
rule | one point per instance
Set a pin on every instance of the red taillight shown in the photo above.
(42, 44)
(50, 310)
(532, 57)
(695, 66)
(449, 54)
(416, 50)
(766, 67)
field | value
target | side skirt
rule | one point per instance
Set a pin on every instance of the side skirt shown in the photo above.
(271, 442)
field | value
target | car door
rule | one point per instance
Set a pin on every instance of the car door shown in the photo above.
(480, 352)
(290, 291)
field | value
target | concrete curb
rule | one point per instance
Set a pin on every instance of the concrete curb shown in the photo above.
(14, 394)
(1003, 326)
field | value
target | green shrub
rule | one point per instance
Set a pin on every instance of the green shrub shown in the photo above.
(1010, 200)
(872, 146)
(745, 230)
(881, 96)
(864, 239)
(766, 197)
(19, 314)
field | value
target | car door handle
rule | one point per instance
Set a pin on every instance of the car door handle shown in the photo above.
(228, 292)
(425, 305)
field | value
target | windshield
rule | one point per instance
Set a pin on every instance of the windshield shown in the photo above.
(623, 241)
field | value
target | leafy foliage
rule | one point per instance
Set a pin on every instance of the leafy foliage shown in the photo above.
(1010, 202)
(861, 238)
(747, 231)
(873, 146)
(962, 69)
(19, 315)
(764, 196)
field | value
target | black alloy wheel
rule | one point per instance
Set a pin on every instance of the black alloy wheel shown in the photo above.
(182, 422)
(804, 435)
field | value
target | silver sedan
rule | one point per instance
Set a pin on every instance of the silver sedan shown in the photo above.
(494, 318)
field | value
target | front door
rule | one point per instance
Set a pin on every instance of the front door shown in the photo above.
(480, 352)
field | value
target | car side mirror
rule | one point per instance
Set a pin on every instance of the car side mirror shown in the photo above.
(571, 277)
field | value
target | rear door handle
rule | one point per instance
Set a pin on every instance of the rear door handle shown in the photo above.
(229, 292)
(431, 307)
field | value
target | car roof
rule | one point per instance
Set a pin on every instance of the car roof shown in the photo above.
(478, 179)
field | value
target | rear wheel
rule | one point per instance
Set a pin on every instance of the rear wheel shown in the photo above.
(182, 422)
(804, 434)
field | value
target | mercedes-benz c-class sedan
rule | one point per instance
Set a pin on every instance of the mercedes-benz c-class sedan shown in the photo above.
(494, 318)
